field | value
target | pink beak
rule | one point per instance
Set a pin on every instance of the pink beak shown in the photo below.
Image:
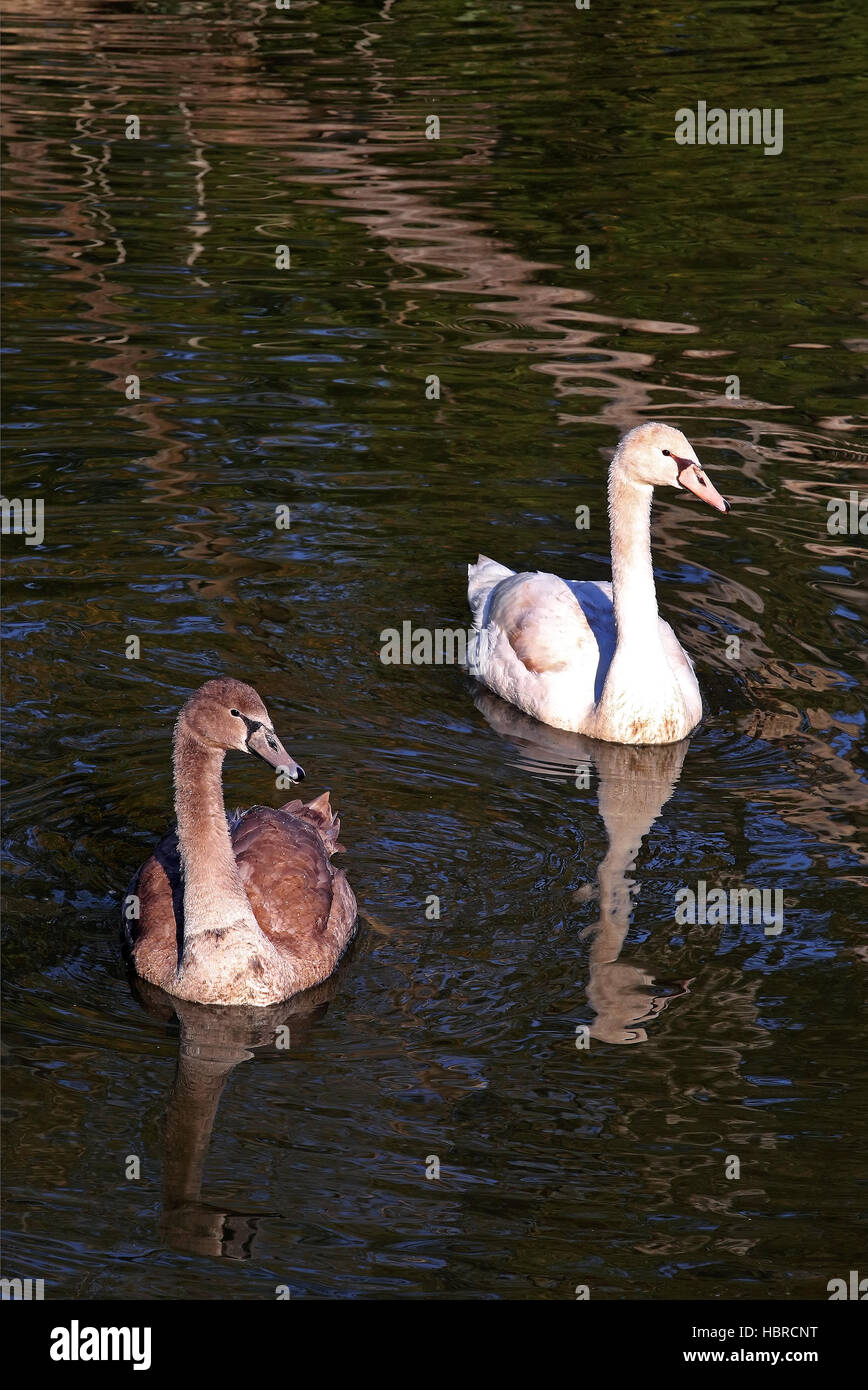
(691, 476)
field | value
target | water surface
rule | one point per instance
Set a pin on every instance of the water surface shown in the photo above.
(451, 1036)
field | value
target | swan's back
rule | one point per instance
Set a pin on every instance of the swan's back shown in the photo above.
(539, 642)
(284, 860)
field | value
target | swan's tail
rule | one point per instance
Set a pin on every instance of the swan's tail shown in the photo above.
(319, 812)
(481, 579)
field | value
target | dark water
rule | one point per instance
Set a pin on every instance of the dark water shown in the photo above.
(452, 1036)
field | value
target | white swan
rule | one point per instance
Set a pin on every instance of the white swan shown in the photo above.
(588, 656)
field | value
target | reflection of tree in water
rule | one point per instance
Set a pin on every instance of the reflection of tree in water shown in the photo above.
(215, 100)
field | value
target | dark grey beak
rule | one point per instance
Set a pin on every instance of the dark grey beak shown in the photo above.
(267, 746)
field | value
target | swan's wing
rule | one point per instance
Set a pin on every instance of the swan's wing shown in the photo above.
(153, 937)
(543, 621)
(537, 649)
(284, 865)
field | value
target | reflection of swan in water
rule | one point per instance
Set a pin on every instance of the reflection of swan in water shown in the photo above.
(213, 1040)
(634, 786)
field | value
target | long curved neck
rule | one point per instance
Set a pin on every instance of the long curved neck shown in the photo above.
(633, 594)
(213, 891)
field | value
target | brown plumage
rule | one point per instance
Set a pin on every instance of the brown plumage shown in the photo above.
(242, 911)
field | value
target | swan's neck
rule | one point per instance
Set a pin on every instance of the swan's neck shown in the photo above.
(213, 891)
(634, 597)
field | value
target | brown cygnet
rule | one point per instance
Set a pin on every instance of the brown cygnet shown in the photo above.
(246, 909)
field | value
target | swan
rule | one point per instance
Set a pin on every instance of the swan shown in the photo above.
(245, 909)
(588, 656)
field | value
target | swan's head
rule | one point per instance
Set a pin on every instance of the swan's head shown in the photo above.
(228, 714)
(661, 456)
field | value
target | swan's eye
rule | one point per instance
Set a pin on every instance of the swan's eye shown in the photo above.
(236, 713)
(666, 452)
